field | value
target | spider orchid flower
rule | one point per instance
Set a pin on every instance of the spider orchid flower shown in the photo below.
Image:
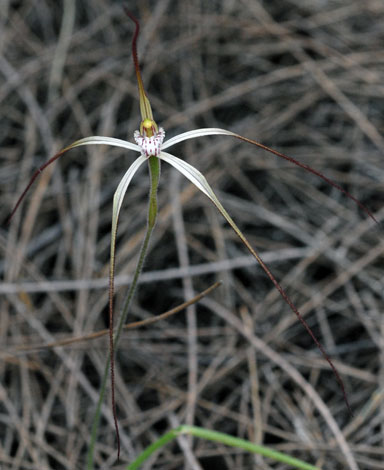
(150, 146)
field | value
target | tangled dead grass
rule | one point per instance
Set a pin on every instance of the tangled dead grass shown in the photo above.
(305, 79)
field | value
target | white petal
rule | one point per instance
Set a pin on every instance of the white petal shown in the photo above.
(122, 188)
(189, 172)
(100, 140)
(198, 179)
(117, 202)
(217, 131)
(196, 133)
(194, 175)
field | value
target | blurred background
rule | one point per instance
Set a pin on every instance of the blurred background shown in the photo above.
(305, 78)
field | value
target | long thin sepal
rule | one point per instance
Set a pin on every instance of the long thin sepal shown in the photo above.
(193, 175)
(216, 131)
(145, 106)
(102, 140)
(194, 134)
(32, 180)
(117, 202)
(94, 140)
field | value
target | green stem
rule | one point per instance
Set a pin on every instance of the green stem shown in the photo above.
(154, 168)
(223, 439)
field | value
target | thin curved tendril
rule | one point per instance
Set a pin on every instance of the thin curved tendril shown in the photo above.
(112, 349)
(310, 170)
(217, 131)
(117, 202)
(134, 47)
(111, 287)
(94, 140)
(32, 180)
(301, 318)
(145, 106)
(200, 181)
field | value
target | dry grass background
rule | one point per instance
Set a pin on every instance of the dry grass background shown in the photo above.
(303, 77)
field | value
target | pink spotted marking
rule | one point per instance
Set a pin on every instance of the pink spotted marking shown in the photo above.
(150, 145)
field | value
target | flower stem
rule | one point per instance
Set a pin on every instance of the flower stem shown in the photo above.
(154, 169)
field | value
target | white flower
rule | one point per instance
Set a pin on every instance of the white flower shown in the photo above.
(150, 143)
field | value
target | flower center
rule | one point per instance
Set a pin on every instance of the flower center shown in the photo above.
(150, 145)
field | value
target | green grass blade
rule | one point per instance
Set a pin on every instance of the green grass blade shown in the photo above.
(222, 438)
